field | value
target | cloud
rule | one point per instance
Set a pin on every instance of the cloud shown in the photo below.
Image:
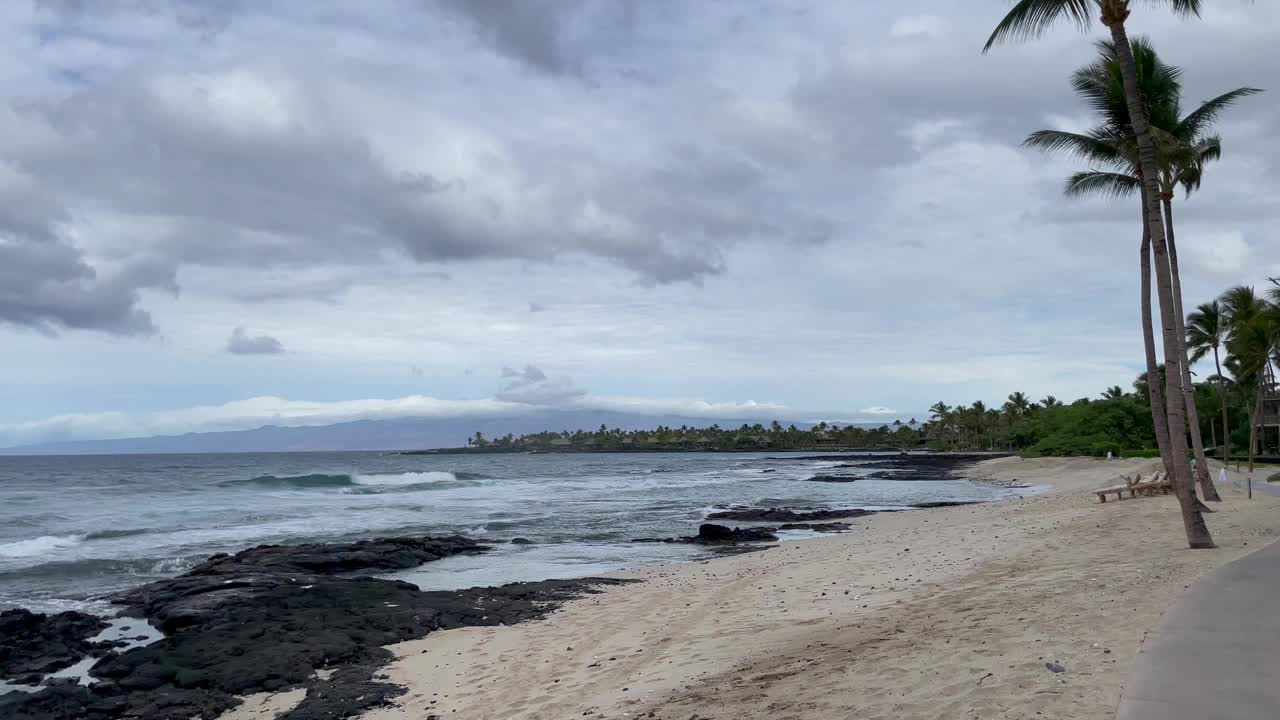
(244, 414)
(270, 410)
(531, 386)
(45, 281)
(1215, 251)
(241, 343)
(878, 410)
(930, 26)
(714, 198)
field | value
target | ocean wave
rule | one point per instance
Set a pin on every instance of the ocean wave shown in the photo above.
(314, 480)
(105, 567)
(35, 547)
(113, 534)
(372, 483)
(430, 477)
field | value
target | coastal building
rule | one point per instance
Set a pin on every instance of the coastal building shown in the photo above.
(1269, 417)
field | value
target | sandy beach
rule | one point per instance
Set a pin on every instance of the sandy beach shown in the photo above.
(946, 613)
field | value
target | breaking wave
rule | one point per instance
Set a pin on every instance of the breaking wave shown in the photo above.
(35, 547)
(364, 483)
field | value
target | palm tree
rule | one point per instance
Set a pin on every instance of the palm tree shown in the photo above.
(1050, 401)
(1183, 149)
(1252, 340)
(1115, 392)
(1017, 404)
(1031, 18)
(1206, 332)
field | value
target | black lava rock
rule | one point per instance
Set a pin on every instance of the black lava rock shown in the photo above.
(786, 515)
(35, 643)
(833, 478)
(267, 618)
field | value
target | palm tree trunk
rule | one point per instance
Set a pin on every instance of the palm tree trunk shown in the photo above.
(1188, 389)
(1193, 524)
(1154, 392)
(1253, 425)
(1222, 392)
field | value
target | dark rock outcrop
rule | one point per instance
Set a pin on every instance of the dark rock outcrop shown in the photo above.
(38, 644)
(833, 478)
(817, 527)
(786, 515)
(720, 536)
(266, 618)
(710, 534)
(380, 555)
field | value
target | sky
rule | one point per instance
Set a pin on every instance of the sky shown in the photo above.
(216, 214)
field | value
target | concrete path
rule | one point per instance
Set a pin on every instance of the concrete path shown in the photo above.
(1215, 655)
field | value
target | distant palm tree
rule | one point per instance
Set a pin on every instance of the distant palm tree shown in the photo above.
(1206, 332)
(1050, 401)
(1114, 392)
(1017, 404)
(1253, 342)
(1032, 18)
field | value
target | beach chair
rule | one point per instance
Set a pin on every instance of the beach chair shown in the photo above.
(1136, 486)
(1159, 483)
(1118, 490)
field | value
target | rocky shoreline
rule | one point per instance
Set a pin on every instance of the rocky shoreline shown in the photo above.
(314, 617)
(266, 619)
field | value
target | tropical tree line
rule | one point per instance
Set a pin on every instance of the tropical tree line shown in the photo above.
(774, 436)
(1145, 147)
(1240, 331)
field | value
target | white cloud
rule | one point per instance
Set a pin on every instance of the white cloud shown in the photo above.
(259, 411)
(919, 25)
(1215, 251)
(878, 410)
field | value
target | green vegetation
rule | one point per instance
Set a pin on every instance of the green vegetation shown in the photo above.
(897, 436)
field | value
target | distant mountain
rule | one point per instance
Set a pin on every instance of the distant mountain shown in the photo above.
(401, 434)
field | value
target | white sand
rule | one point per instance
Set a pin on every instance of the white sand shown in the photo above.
(948, 613)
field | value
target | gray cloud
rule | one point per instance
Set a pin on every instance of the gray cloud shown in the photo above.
(531, 386)
(655, 172)
(242, 343)
(46, 283)
(529, 30)
(552, 36)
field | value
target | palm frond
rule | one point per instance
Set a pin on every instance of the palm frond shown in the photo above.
(1032, 18)
(1179, 7)
(1105, 184)
(1092, 147)
(1189, 171)
(1101, 85)
(1204, 116)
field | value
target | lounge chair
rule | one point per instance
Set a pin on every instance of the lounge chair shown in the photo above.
(1136, 486)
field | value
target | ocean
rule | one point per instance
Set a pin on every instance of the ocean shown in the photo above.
(74, 529)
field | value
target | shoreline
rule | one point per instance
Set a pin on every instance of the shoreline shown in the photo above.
(333, 606)
(932, 614)
(705, 636)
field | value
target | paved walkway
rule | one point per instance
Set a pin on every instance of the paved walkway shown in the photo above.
(1216, 655)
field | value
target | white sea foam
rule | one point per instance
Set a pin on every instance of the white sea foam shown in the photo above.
(409, 478)
(36, 547)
